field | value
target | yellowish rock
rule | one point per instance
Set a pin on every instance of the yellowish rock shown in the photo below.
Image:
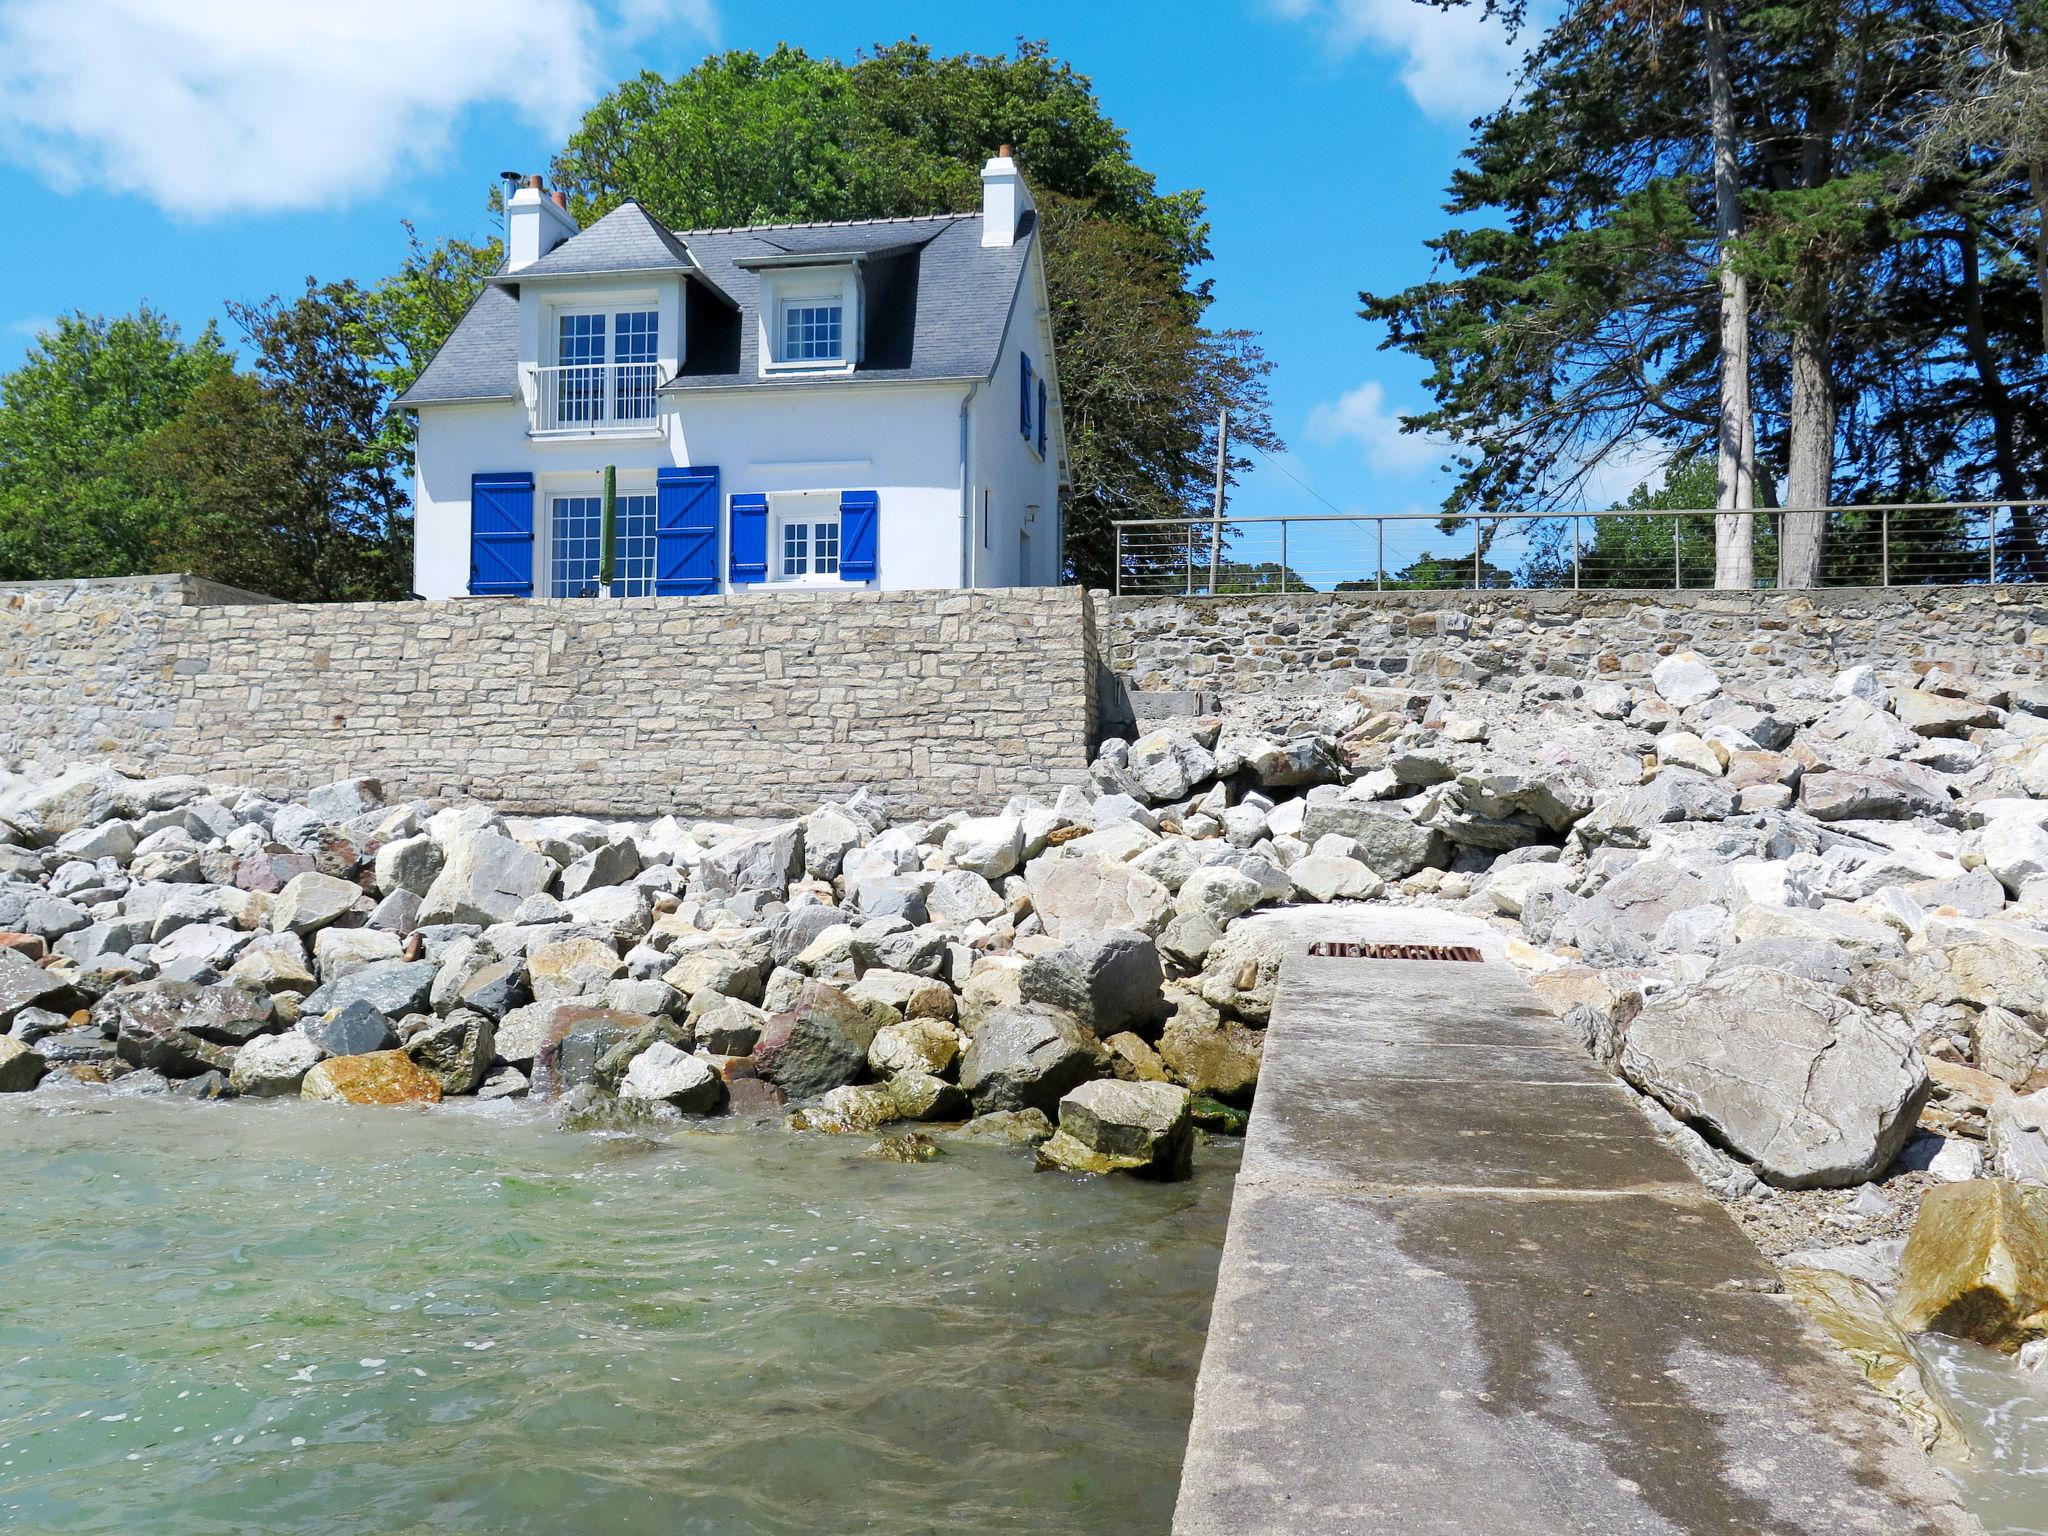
(1976, 1264)
(379, 1077)
(1855, 1317)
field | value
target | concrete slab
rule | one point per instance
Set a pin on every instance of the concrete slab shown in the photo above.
(1492, 1301)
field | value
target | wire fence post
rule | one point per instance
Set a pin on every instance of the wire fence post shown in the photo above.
(1575, 554)
(1677, 570)
(1379, 581)
(1884, 547)
(1191, 560)
(1991, 521)
(1475, 554)
(1283, 554)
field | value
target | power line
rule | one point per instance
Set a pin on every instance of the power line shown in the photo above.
(1290, 474)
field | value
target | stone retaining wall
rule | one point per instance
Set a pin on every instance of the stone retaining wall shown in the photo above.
(1323, 642)
(757, 704)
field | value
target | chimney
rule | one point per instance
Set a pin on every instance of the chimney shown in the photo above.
(535, 224)
(1004, 199)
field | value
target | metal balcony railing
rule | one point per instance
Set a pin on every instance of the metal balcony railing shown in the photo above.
(1880, 545)
(595, 397)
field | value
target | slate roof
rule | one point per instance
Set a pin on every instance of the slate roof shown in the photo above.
(937, 300)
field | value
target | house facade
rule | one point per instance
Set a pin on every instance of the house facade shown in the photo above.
(820, 405)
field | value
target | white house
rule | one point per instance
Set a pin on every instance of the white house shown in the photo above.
(872, 402)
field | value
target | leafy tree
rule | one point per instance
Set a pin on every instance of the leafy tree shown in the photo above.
(407, 316)
(746, 138)
(76, 496)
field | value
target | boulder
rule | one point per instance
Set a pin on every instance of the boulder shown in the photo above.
(484, 879)
(1168, 765)
(1684, 680)
(311, 901)
(21, 1066)
(1391, 843)
(228, 1014)
(1220, 1060)
(493, 989)
(275, 962)
(571, 968)
(1218, 893)
(1077, 896)
(666, 1074)
(1028, 1057)
(989, 846)
(763, 861)
(345, 799)
(78, 797)
(339, 952)
(820, 1043)
(353, 1029)
(729, 1027)
(720, 972)
(2015, 852)
(383, 1077)
(147, 1022)
(1328, 877)
(393, 987)
(960, 896)
(906, 995)
(1809, 1087)
(408, 864)
(1109, 981)
(456, 1051)
(1110, 1126)
(609, 864)
(273, 1066)
(2016, 1136)
(24, 984)
(1976, 1264)
(916, 1045)
(578, 1038)
(1006, 1128)
(1894, 792)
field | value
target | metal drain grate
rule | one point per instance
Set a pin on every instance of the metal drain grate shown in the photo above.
(1343, 950)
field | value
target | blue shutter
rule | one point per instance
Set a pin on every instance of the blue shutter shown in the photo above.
(1024, 396)
(685, 532)
(1042, 413)
(859, 524)
(501, 534)
(749, 538)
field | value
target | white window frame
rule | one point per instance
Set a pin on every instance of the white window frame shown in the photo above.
(611, 309)
(546, 489)
(811, 509)
(797, 289)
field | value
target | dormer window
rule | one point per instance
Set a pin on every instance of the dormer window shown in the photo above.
(813, 331)
(810, 319)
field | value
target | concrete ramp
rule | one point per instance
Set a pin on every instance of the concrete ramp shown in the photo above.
(1467, 1290)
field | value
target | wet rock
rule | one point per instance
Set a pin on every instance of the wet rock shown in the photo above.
(24, 984)
(1006, 1127)
(227, 1014)
(273, 1066)
(1976, 1264)
(1110, 981)
(456, 1051)
(383, 1077)
(1028, 1057)
(1218, 1118)
(504, 1082)
(147, 1022)
(353, 1029)
(1109, 1126)
(1853, 1314)
(916, 1045)
(579, 1037)
(1219, 1060)
(1807, 1086)
(913, 1147)
(21, 1065)
(664, 1073)
(819, 1044)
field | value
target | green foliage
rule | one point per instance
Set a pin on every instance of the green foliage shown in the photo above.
(746, 138)
(406, 317)
(75, 499)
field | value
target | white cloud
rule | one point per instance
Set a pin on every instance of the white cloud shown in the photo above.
(1362, 416)
(1455, 64)
(207, 106)
(1623, 468)
(31, 326)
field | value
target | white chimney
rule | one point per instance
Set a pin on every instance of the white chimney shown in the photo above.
(535, 223)
(1004, 199)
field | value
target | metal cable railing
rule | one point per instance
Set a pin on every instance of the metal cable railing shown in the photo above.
(1879, 545)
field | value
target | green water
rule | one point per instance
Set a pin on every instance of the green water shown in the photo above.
(284, 1317)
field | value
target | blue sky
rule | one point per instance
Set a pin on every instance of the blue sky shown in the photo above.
(193, 151)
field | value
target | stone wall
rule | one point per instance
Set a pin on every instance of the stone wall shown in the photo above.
(1239, 647)
(755, 704)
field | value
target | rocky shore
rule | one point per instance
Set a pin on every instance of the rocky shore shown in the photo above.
(1807, 921)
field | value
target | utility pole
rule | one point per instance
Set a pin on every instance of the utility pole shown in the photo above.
(608, 530)
(1216, 533)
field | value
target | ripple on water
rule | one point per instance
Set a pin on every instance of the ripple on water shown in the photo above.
(2003, 1410)
(286, 1316)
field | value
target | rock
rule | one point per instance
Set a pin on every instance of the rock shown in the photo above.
(719, 972)
(2015, 852)
(578, 1038)
(383, 1077)
(1167, 765)
(311, 901)
(729, 1027)
(1976, 1264)
(2016, 1136)
(273, 1066)
(924, 1096)
(818, 1044)
(274, 962)
(345, 799)
(456, 1051)
(1684, 680)
(1853, 1314)
(1131, 1059)
(1079, 896)
(665, 1074)
(1189, 938)
(1219, 1060)
(571, 968)
(493, 989)
(1027, 1057)
(2007, 1046)
(1807, 1086)
(1682, 749)
(21, 1066)
(611, 864)
(755, 861)
(1391, 843)
(147, 1022)
(1325, 877)
(1895, 792)
(989, 846)
(916, 1045)
(408, 864)
(1935, 715)
(1218, 893)
(393, 987)
(78, 797)
(1510, 888)
(505, 1082)
(1861, 682)
(960, 896)
(1109, 1126)
(1109, 982)
(915, 1147)
(484, 879)
(228, 1014)
(1006, 1127)
(353, 1029)
(339, 952)
(24, 984)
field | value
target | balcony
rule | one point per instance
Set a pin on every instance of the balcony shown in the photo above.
(596, 400)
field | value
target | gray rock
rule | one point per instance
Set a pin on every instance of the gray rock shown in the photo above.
(147, 1023)
(339, 952)
(1112, 1126)
(1390, 842)
(228, 1014)
(1628, 819)
(1326, 877)
(345, 799)
(989, 846)
(352, 1029)
(1684, 680)
(1006, 1128)
(571, 968)
(485, 878)
(1110, 981)
(393, 987)
(456, 1051)
(757, 861)
(1894, 792)
(397, 913)
(960, 897)
(21, 1065)
(817, 1045)
(311, 901)
(2016, 1136)
(1807, 1086)
(729, 1027)
(1168, 765)
(892, 896)
(1075, 896)
(274, 1066)
(1028, 1057)
(614, 863)
(665, 1074)
(578, 1038)
(24, 984)
(409, 864)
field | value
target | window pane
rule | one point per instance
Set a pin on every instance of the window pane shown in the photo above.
(575, 533)
(637, 338)
(793, 553)
(634, 344)
(580, 386)
(811, 333)
(633, 545)
(825, 541)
